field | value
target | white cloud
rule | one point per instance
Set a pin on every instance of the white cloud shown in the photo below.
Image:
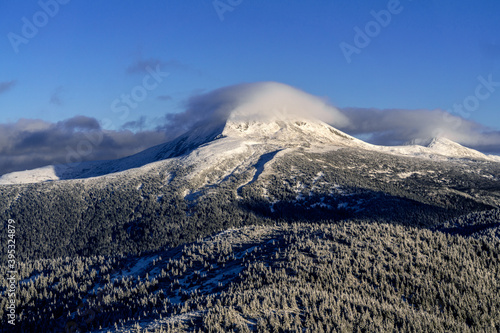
(397, 126)
(261, 100)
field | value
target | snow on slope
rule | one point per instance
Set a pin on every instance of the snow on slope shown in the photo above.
(255, 119)
(438, 148)
(447, 147)
(495, 158)
(174, 148)
(296, 132)
(44, 174)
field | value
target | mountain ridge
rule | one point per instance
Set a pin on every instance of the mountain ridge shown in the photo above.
(283, 132)
(257, 118)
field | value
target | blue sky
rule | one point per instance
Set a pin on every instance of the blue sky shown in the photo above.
(88, 54)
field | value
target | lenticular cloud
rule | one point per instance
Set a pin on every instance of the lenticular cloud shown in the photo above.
(259, 101)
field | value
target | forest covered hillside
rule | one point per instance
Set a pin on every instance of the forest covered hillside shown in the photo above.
(350, 276)
(175, 201)
(268, 224)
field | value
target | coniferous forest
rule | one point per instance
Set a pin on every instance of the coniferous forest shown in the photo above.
(344, 241)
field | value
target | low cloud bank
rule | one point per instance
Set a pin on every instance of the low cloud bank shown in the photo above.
(32, 143)
(396, 127)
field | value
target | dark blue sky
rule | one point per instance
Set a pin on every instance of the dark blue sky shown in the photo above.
(62, 58)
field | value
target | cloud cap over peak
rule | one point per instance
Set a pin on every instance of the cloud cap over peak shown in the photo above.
(258, 101)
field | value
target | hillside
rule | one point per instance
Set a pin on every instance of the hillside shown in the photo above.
(348, 276)
(264, 217)
(177, 200)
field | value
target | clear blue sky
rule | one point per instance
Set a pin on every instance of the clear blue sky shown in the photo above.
(82, 59)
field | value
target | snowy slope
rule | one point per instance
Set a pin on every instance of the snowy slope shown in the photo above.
(296, 132)
(208, 146)
(438, 148)
(218, 139)
(174, 148)
(447, 147)
(264, 121)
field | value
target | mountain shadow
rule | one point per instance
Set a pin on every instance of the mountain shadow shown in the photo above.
(370, 205)
(259, 168)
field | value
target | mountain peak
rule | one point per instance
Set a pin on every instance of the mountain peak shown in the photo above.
(445, 146)
(441, 140)
(291, 131)
(269, 111)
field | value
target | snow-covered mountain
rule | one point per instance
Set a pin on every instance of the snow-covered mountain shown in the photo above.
(230, 136)
(267, 117)
(447, 147)
(438, 148)
(264, 160)
(259, 158)
(234, 135)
